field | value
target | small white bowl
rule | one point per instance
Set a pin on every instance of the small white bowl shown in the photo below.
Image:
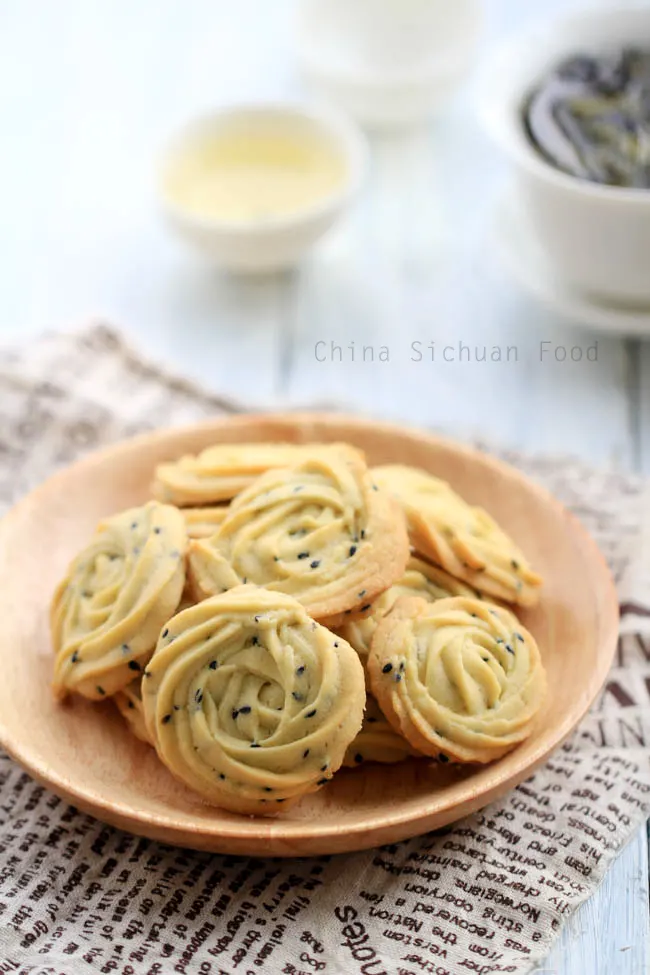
(597, 238)
(387, 63)
(272, 242)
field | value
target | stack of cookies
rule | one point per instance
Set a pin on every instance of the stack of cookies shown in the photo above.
(281, 610)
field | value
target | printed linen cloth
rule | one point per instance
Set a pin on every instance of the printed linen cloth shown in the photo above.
(486, 895)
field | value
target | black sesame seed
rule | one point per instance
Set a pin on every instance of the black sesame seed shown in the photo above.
(213, 665)
(165, 633)
(255, 641)
(443, 758)
(514, 564)
(402, 666)
(157, 531)
(235, 712)
(86, 594)
(134, 665)
(335, 644)
(131, 704)
(125, 648)
(324, 768)
(486, 659)
(177, 707)
(375, 488)
(246, 709)
(310, 714)
(100, 690)
(363, 533)
(509, 648)
(305, 753)
(347, 612)
(296, 696)
(358, 758)
(198, 697)
(167, 719)
(353, 549)
(257, 618)
(314, 564)
(74, 658)
(398, 678)
(474, 615)
(321, 782)
(254, 745)
(518, 636)
(134, 524)
(366, 607)
(300, 670)
(275, 558)
(298, 488)
(303, 555)
(362, 594)
(280, 800)
(499, 640)
(386, 669)
(267, 788)
(221, 775)
(244, 580)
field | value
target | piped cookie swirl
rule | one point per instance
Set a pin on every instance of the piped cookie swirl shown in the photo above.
(460, 679)
(462, 539)
(320, 531)
(250, 702)
(107, 612)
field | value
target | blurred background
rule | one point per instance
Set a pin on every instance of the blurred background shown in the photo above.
(91, 92)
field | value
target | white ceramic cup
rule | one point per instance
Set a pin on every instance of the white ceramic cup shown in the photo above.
(596, 238)
(387, 63)
(275, 242)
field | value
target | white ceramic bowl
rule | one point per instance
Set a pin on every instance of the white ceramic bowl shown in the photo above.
(387, 63)
(597, 238)
(275, 242)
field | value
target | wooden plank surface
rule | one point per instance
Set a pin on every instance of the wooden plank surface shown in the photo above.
(89, 92)
(640, 398)
(610, 934)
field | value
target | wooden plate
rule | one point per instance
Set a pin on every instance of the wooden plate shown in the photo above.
(84, 752)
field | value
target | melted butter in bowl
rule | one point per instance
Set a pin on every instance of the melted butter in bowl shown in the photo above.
(255, 187)
(250, 173)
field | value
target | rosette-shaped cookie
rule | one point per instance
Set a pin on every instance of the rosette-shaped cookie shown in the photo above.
(219, 473)
(377, 741)
(250, 702)
(462, 539)
(460, 679)
(107, 613)
(320, 531)
(203, 522)
(420, 579)
(129, 704)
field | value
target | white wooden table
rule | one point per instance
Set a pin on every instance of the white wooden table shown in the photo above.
(89, 90)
